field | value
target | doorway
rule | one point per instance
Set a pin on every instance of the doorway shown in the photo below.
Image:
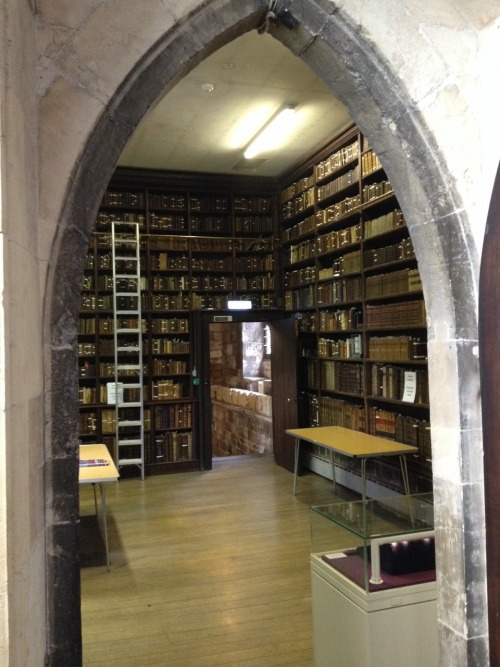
(96, 161)
(241, 385)
(229, 387)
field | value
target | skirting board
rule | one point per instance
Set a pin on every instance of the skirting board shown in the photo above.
(345, 477)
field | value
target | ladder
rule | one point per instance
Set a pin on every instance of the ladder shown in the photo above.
(128, 366)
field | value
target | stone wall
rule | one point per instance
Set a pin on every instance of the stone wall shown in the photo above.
(430, 111)
(241, 422)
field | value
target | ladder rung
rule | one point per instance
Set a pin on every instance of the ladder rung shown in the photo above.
(126, 258)
(133, 311)
(132, 441)
(132, 404)
(130, 348)
(130, 462)
(130, 422)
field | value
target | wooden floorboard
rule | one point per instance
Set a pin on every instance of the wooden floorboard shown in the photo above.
(207, 568)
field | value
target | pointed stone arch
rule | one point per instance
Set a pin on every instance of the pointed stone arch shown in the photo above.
(355, 71)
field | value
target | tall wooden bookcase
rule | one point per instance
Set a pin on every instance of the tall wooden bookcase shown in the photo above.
(204, 240)
(352, 283)
(327, 243)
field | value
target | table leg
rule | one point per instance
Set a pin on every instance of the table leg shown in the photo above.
(363, 479)
(296, 465)
(104, 522)
(404, 474)
(333, 472)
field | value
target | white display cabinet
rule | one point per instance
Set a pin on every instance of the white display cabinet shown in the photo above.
(373, 583)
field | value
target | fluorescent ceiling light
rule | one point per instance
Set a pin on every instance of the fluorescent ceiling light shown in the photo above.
(239, 305)
(273, 133)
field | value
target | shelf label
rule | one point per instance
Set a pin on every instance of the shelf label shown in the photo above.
(410, 389)
(111, 392)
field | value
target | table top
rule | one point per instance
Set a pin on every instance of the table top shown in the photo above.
(94, 474)
(351, 443)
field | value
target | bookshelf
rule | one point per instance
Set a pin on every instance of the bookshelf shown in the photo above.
(203, 241)
(327, 243)
(352, 283)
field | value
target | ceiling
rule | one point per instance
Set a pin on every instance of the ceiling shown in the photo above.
(206, 120)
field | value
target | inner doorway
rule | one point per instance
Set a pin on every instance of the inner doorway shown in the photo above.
(241, 384)
(229, 388)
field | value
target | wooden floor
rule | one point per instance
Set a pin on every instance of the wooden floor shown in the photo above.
(208, 569)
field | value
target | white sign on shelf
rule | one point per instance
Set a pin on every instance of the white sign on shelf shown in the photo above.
(111, 392)
(410, 389)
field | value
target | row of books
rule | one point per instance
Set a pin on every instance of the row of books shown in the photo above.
(135, 199)
(254, 204)
(395, 282)
(105, 218)
(166, 200)
(384, 223)
(387, 254)
(168, 222)
(303, 227)
(338, 239)
(340, 376)
(165, 389)
(331, 320)
(215, 224)
(337, 185)
(336, 161)
(391, 381)
(300, 298)
(87, 326)
(169, 325)
(253, 263)
(107, 370)
(262, 282)
(376, 190)
(324, 244)
(169, 367)
(400, 314)
(298, 204)
(169, 448)
(220, 204)
(169, 346)
(154, 346)
(296, 188)
(252, 224)
(336, 412)
(338, 210)
(370, 163)
(300, 277)
(396, 348)
(342, 348)
(402, 428)
(179, 415)
(339, 290)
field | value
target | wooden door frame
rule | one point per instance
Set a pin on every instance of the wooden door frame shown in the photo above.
(201, 324)
(489, 347)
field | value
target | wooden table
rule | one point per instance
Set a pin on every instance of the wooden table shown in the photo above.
(353, 444)
(97, 473)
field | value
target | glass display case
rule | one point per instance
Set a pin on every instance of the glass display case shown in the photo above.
(373, 583)
(379, 543)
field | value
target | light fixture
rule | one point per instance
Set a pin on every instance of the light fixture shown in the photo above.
(239, 305)
(272, 134)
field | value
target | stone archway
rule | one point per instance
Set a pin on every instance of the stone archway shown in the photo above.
(352, 66)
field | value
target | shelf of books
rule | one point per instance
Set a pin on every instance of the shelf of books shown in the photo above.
(199, 248)
(352, 281)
